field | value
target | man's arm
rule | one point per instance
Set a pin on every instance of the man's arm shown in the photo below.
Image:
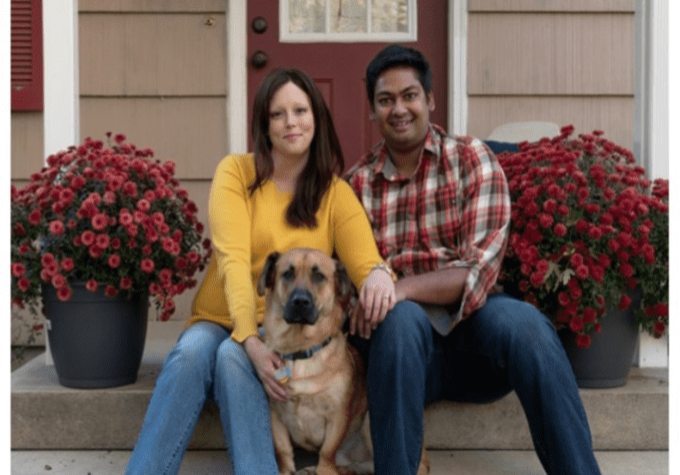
(441, 287)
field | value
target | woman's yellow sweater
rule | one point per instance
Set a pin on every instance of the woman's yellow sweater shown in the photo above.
(246, 229)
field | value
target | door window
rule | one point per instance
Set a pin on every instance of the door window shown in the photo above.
(347, 20)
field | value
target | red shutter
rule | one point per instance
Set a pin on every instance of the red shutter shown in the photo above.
(27, 55)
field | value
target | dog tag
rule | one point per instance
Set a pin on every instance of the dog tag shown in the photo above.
(282, 375)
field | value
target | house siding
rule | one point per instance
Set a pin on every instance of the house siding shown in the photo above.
(568, 62)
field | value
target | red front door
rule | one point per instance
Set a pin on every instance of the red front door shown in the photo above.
(338, 69)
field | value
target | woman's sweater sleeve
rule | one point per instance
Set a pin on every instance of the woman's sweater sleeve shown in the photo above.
(229, 214)
(353, 236)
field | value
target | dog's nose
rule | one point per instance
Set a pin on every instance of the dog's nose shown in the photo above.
(300, 308)
(301, 299)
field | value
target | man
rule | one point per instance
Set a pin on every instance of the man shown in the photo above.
(440, 212)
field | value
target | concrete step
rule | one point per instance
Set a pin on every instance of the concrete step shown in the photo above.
(48, 416)
(443, 462)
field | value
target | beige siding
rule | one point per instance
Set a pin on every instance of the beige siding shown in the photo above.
(152, 55)
(189, 131)
(151, 6)
(613, 114)
(551, 5)
(156, 71)
(27, 147)
(560, 54)
(564, 61)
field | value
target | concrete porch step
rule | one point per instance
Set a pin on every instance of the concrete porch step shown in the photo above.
(460, 462)
(48, 416)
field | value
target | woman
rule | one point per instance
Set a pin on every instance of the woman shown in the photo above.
(285, 195)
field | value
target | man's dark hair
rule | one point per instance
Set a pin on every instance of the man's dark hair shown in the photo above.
(397, 55)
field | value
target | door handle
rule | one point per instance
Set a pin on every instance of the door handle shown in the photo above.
(259, 59)
(259, 25)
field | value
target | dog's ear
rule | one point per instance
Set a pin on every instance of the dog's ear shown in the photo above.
(268, 275)
(344, 288)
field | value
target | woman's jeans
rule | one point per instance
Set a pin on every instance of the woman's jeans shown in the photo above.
(205, 363)
(506, 345)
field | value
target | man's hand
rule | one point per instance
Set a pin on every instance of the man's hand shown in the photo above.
(376, 297)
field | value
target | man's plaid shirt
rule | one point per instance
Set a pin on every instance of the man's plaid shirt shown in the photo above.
(453, 212)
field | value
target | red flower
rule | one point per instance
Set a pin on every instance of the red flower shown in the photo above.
(589, 315)
(626, 269)
(560, 230)
(87, 237)
(583, 341)
(576, 324)
(130, 189)
(147, 265)
(102, 241)
(659, 329)
(58, 281)
(67, 264)
(143, 205)
(63, 293)
(582, 272)
(114, 261)
(110, 291)
(56, 227)
(34, 217)
(24, 284)
(125, 218)
(625, 302)
(563, 299)
(47, 259)
(18, 269)
(125, 283)
(100, 221)
(91, 285)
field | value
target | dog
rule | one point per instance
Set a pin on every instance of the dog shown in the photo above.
(306, 294)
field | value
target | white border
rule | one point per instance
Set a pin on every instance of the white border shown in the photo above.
(458, 98)
(650, 127)
(328, 37)
(60, 73)
(61, 88)
(237, 74)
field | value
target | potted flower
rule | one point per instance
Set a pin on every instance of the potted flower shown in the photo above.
(589, 233)
(103, 220)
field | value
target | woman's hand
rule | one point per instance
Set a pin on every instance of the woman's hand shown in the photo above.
(376, 297)
(266, 362)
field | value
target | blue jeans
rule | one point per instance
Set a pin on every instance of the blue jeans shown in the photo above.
(205, 363)
(506, 345)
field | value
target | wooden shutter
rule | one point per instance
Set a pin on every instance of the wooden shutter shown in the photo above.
(27, 55)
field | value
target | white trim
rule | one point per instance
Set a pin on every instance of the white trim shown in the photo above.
(357, 37)
(237, 100)
(61, 113)
(61, 88)
(650, 128)
(458, 99)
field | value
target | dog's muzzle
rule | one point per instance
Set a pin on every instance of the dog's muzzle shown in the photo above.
(300, 308)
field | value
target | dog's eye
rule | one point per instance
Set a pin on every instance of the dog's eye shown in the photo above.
(318, 277)
(289, 274)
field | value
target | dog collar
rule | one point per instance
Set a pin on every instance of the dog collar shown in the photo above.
(304, 354)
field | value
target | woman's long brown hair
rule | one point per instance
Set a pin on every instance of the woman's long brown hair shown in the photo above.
(325, 154)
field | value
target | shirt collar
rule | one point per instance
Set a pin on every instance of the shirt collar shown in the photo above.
(431, 149)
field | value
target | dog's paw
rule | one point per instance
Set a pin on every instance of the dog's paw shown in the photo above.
(306, 471)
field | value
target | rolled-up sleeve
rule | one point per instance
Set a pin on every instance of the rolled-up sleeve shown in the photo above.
(485, 222)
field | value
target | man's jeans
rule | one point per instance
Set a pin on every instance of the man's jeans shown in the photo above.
(506, 345)
(205, 363)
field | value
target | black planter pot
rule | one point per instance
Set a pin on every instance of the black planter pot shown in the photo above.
(607, 361)
(96, 341)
